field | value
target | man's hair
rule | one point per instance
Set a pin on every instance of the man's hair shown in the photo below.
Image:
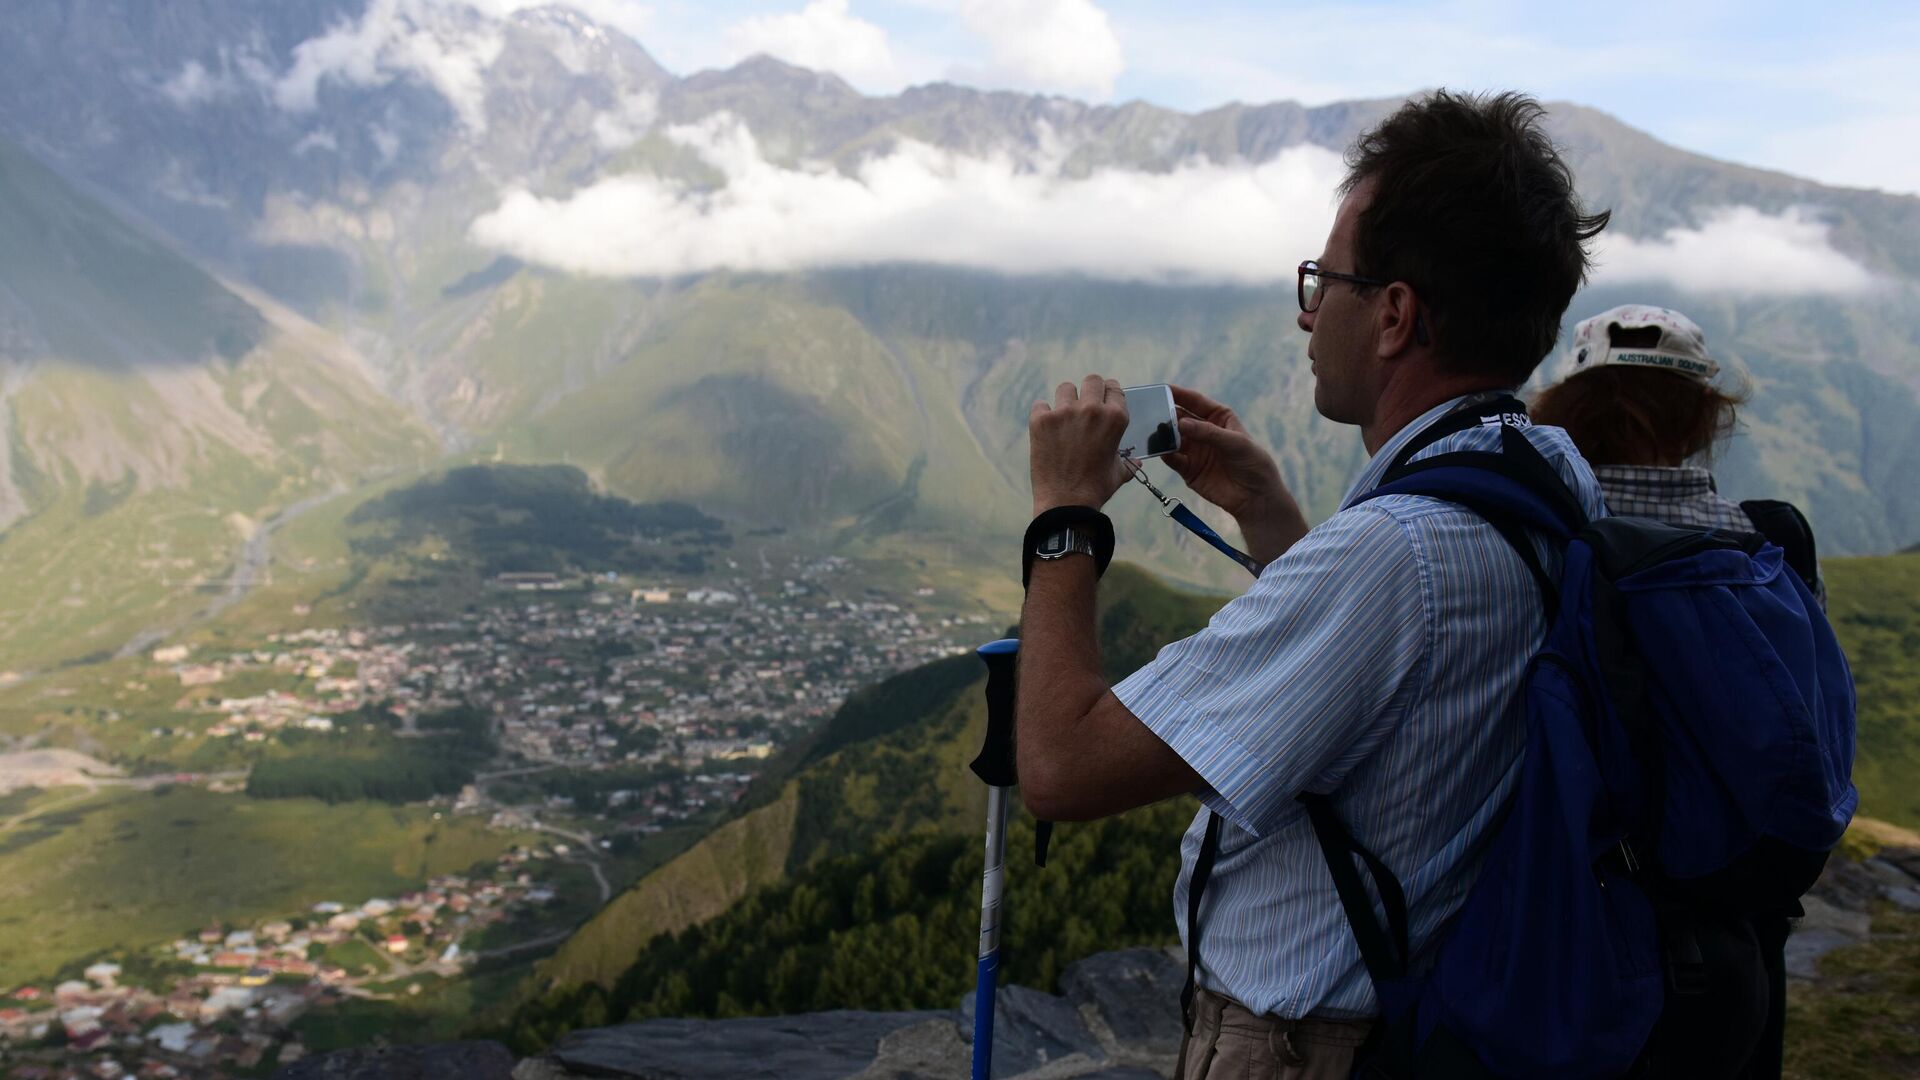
(1473, 207)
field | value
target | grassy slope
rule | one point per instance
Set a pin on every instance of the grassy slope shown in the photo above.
(143, 504)
(1874, 604)
(124, 869)
(1861, 1021)
(704, 881)
(805, 399)
(746, 399)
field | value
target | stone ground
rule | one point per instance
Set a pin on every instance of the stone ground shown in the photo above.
(1117, 1018)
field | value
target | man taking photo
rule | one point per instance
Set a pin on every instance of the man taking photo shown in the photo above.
(1378, 657)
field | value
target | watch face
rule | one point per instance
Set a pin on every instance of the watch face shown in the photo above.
(1054, 545)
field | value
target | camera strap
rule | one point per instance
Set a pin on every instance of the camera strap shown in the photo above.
(1189, 520)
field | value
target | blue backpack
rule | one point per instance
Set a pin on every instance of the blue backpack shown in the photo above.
(1690, 740)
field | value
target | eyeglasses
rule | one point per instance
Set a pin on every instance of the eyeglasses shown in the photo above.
(1310, 293)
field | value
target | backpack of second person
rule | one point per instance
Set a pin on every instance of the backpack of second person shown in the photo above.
(1689, 748)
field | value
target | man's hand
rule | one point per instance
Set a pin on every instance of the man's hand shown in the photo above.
(1223, 465)
(1075, 444)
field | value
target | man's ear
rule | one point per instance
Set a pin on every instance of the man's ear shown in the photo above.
(1402, 325)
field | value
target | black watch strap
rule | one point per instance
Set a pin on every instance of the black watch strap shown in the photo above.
(1084, 519)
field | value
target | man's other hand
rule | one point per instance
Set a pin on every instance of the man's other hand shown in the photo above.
(1223, 465)
(1075, 444)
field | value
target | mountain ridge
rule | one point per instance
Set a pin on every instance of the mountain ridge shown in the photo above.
(860, 405)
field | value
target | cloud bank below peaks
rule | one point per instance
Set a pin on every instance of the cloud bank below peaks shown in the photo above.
(1199, 222)
(1736, 249)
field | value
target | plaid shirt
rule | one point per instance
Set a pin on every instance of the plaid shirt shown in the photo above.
(1677, 495)
(1682, 495)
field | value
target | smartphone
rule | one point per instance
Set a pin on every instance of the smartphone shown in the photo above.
(1151, 430)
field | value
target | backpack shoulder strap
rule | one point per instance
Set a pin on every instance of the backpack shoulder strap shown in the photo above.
(1784, 525)
(1504, 409)
(1384, 950)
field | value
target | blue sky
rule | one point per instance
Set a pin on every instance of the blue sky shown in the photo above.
(1828, 90)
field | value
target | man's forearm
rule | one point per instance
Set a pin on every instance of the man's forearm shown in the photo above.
(1081, 753)
(1060, 678)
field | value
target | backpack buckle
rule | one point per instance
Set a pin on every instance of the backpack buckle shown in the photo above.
(1686, 965)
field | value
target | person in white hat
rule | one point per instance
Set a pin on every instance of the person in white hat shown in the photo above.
(1644, 407)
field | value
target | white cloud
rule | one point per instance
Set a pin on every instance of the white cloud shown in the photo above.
(1200, 222)
(1065, 46)
(1234, 222)
(824, 36)
(194, 85)
(233, 72)
(622, 126)
(1736, 249)
(317, 140)
(445, 45)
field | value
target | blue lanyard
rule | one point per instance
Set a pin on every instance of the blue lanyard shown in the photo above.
(1178, 511)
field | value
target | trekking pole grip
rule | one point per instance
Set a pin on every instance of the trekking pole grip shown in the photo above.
(995, 763)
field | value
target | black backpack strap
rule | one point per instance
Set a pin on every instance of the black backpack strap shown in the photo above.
(1386, 957)
(1786, 527)
(1202, 871)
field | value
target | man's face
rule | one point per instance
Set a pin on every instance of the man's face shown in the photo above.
(1342, 349)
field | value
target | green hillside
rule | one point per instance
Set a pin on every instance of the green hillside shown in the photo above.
(859, 402)
(125, 869)
(1874, 604)
(894, 927)
(896, 764)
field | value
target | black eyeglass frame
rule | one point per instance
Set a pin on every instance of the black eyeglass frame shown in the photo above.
(1311, 268)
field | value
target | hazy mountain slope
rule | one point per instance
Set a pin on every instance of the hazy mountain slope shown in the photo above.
(78, 284)
(155, 419)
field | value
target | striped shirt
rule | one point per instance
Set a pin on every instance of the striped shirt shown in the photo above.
(1378, 659)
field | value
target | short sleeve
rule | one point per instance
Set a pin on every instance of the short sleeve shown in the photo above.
(1296, 681)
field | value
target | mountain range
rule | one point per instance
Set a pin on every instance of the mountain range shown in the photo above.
(256, 255)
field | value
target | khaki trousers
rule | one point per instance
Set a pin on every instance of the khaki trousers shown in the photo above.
(1226, 1042)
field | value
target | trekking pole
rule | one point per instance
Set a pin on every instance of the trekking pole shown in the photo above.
(995, 767)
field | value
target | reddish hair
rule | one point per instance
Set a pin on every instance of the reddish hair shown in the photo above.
(1638, 416)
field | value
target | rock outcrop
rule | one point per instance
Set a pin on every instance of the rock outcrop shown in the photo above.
(1117, 1018)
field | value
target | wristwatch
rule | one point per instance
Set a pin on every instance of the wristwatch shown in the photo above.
(1063, 542)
